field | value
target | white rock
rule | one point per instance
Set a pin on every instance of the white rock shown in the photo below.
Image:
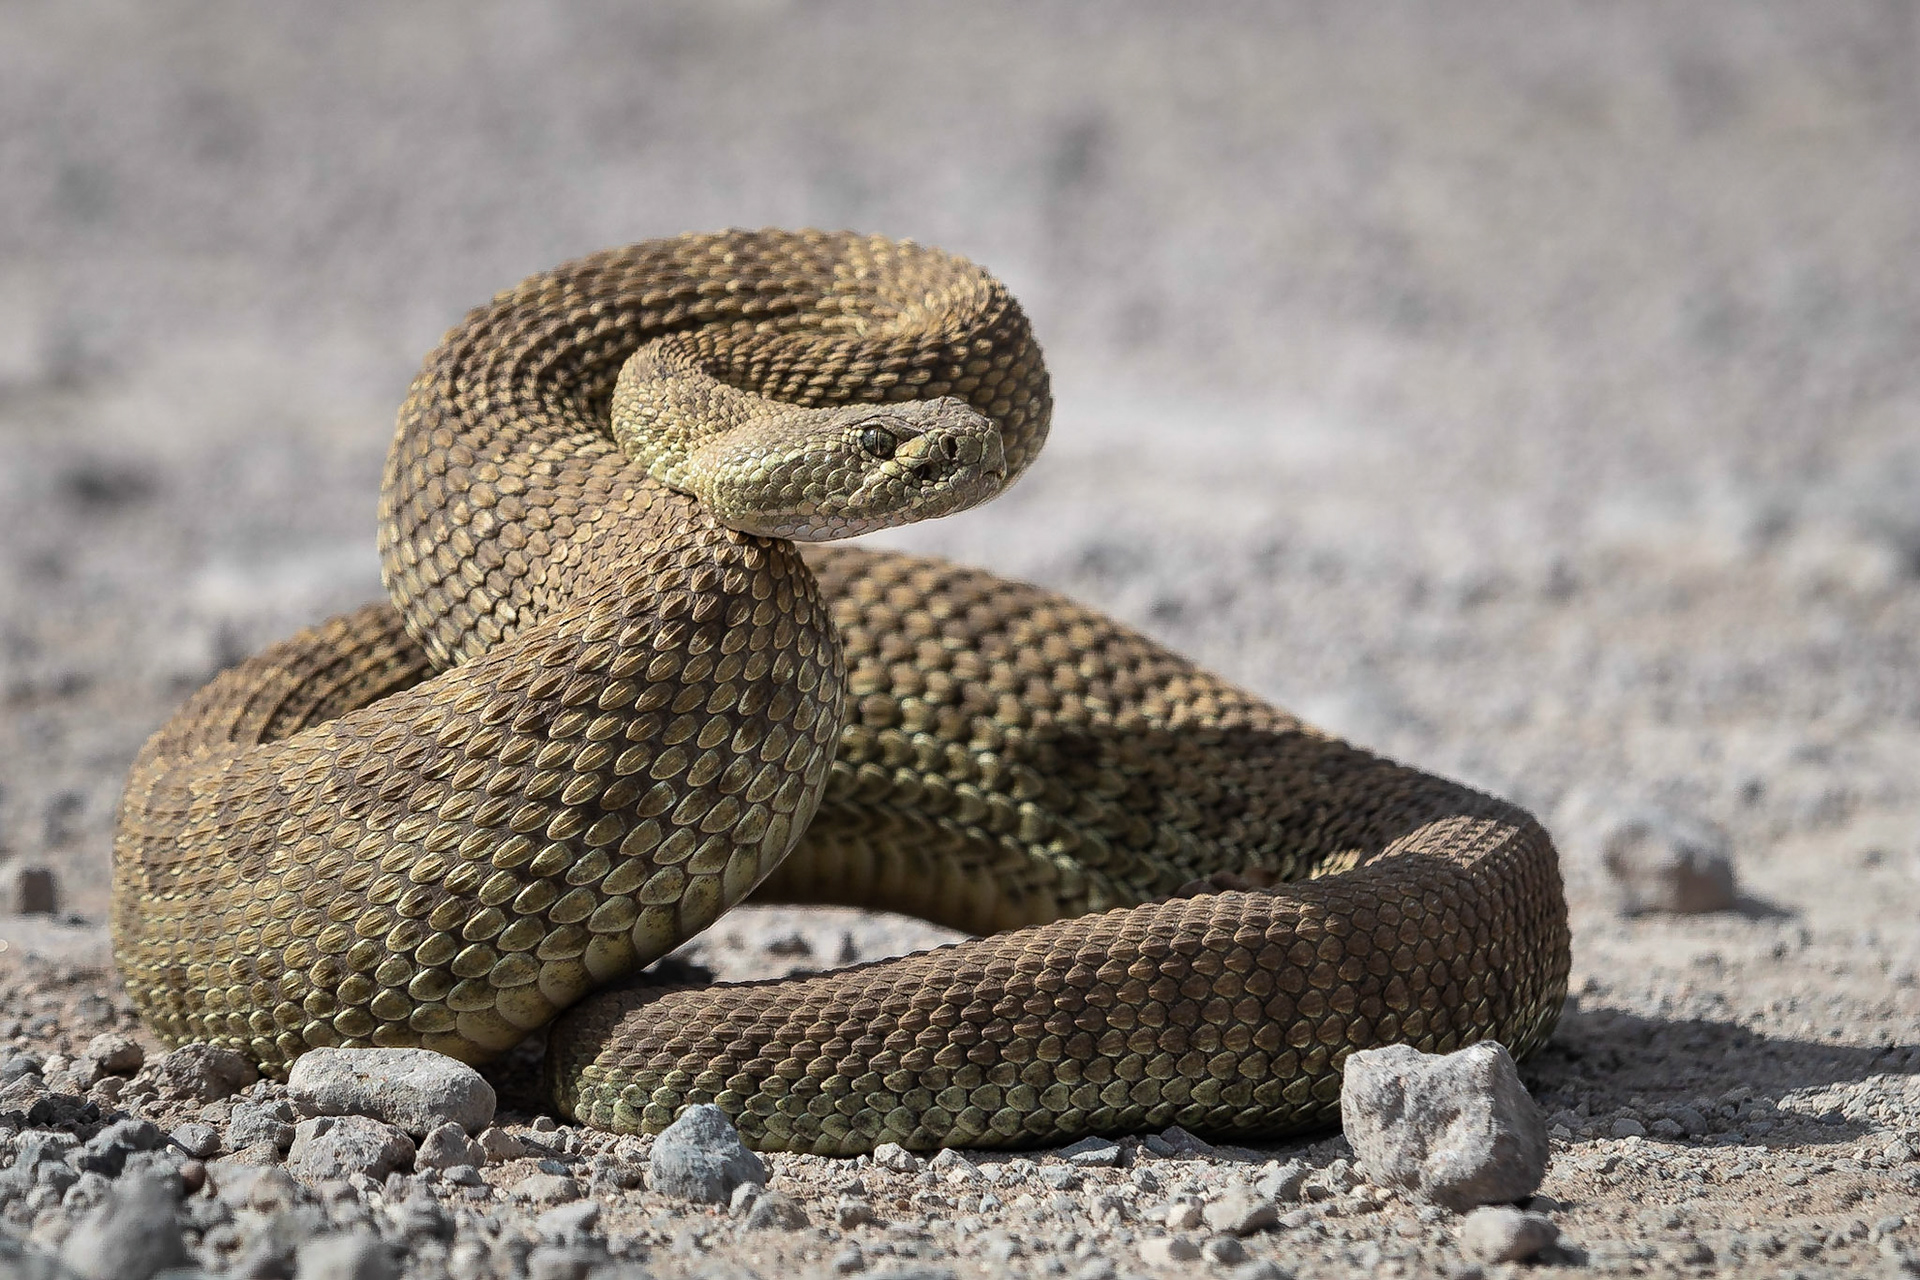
(1502, 1233)
(1160, 1251)
(339, 1146)
(416, 1090)
(700, 1157)
(1457, 1129)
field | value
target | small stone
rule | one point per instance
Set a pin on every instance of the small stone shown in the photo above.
(850, 1213)
(415, 1090)
(895, 1158)
(1502, 1233)
(339, 1146)
(1092, 1153)
(1260, 1269)
(700, 1157)
(251, 1123)
(1626, 1127)
(345, 1256)
(1225, 1250)
(1672, 862)
(848, 1261)
(132, 1235)
(1176, 1141)
(776, 1209)
(28, 889)
(547, 1188)
(568, 1221)
(200, 1073)
(1096, 1268)
(448, 1146)
(1457, 1129)
(112, 1054)
(1282, 1182)
(1240, 1212)
(1160, 1251)
(500, 1146)
(1183, 1215)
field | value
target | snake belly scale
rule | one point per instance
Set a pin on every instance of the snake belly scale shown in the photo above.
(610, 698)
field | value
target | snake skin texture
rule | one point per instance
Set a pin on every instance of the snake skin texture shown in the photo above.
(593, 717)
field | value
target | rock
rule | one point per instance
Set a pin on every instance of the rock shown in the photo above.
(500, 1146)
(1241, 1213)
(196, 1139)
(1260, 1269)
(895, 1158)
(547, 1188)
(1502, 1233)
(112, 1054)
(345, 1256)
(1175, 1141)
(28, 889)
(1282, 1182)
(415, 1090)
(1183, 1215)
(1225, 1250)
(1160, 1251)
(1092, 1153)
(339, 1146)
(700, 1157)
(447, 1147)
(200, 1073)
(133, 1235)
(107, 1151)
(568, 1221)
(250, 1123)
(848, 1261)
(1457, 1129)
(1670, 862)
(776, 1209)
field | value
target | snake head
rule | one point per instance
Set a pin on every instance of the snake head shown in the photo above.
(818, 474)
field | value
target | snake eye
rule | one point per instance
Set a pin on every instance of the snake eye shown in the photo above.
(877, 441)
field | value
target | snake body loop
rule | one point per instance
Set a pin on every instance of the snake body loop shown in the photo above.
(601, 708)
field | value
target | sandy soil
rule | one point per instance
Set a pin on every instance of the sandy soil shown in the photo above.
(1531, 394)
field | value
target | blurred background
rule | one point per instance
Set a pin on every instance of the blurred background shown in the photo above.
(1529, 391)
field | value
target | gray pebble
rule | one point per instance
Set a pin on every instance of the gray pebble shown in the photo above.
(339, 1146)
(1671, 862)
(1626, 1127)
(1282, 1182)
(448, 1146)
(501, 1146)
(1092, 1153)
(1240, 1212)
(200, 1073)
(895, 1158)
(415, 1090)
(1457, 1129)
(197, 1140)
(345, 1256)
(1225, 1250)
(112, 1054)
(1502, 1233)
(578, 1218)
(135, 1234)
(547, 1188)
(848, 1261)
(1261, 1269)
(252, 1122)
(1159, 1251)
(776, 1209)
(700, 1157)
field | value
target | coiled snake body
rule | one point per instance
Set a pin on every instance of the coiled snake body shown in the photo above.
(602, 707)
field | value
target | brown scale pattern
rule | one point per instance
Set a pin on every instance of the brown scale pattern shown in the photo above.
(593, 719)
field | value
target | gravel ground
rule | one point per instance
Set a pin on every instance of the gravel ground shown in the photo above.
(1530, 394)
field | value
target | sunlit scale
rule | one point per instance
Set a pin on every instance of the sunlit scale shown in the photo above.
(606, 701)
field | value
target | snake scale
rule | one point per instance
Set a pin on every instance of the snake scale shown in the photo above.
(610, 698)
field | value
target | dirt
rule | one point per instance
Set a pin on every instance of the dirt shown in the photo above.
(1530, 395)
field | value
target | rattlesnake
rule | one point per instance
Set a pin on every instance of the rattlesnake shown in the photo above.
(594, 716)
